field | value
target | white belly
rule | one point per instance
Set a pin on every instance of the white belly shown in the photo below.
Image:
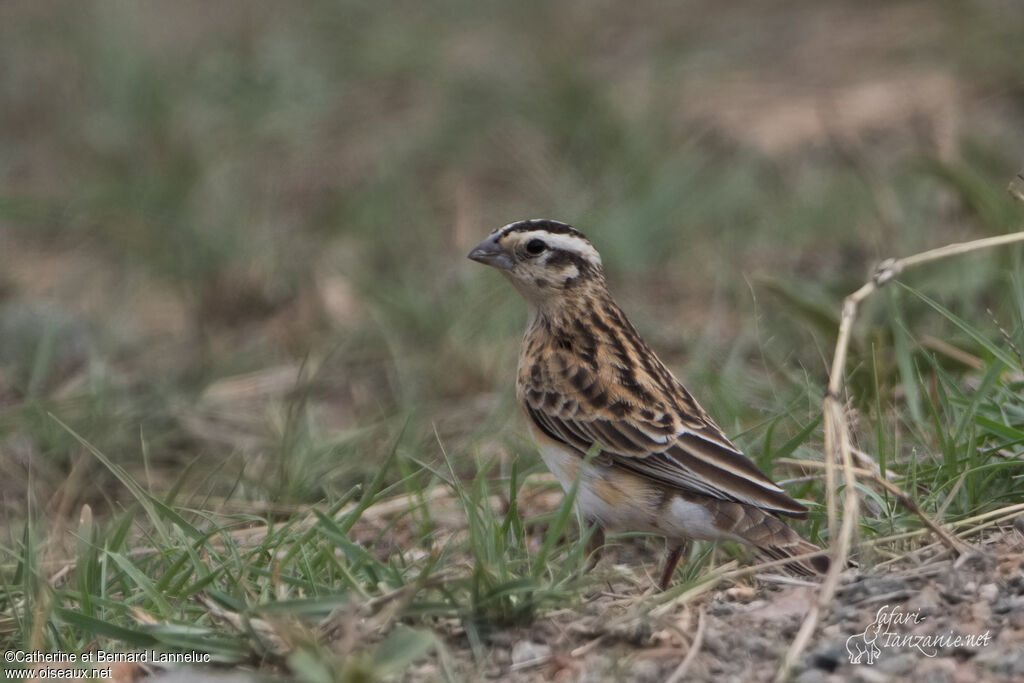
(686, 519)
(627, 502)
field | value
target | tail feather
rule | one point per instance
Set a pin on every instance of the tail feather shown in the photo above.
(808, 566)
(769, 534)
(777, 540)
(763, 530)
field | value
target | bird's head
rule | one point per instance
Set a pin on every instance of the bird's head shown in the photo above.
(547, 261)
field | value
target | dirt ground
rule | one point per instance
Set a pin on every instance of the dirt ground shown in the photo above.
(920, 617)
(922, 604)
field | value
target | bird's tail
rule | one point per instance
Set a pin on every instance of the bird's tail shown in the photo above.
(774, 538)
(807, 566)
(769, 534)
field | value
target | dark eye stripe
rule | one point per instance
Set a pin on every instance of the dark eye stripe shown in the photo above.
(563, 257)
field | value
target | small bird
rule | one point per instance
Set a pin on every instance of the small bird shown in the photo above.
(604, 410)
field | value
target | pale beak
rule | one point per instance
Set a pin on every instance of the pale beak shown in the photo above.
(490, 253)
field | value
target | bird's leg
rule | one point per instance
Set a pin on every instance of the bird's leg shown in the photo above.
(674, 554)
(595, 545)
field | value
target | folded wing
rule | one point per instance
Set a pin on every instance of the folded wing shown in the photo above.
(691, 455)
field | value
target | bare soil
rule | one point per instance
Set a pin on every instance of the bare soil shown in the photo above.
(927, 603)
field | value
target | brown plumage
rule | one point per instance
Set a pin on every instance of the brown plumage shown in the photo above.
(588, 382)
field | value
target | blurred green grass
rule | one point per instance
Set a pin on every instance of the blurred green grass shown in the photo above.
(232, 237)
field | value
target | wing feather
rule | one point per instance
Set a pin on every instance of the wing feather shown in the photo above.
(687, 459)
(587, 379)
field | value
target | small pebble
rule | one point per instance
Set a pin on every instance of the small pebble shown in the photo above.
(899, 664)
(741, 593)
(646, 670)
(988, 592)
(528, 653)
(1009, 604)
(812, 676)
(829, 656)
(940, 670)
(596, 669)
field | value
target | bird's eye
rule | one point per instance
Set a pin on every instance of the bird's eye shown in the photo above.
(535, 246)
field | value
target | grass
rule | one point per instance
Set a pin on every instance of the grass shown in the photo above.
(255, 403)
(246, 589)
(173, 571)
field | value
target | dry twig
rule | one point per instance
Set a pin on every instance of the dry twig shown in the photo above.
(691, 654)
(838, 446)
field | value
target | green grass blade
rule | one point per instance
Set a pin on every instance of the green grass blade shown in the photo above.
(969, 330)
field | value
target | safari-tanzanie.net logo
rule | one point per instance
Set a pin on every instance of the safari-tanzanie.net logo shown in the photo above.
(892, 628)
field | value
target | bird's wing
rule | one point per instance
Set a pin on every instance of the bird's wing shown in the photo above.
(679, 450)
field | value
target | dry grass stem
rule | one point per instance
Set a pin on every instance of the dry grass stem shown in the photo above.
(950, 351)
(838, 447)
(691, 654)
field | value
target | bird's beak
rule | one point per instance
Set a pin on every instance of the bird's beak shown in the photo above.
(490, 253)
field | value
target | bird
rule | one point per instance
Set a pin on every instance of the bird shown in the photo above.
(605, 411)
